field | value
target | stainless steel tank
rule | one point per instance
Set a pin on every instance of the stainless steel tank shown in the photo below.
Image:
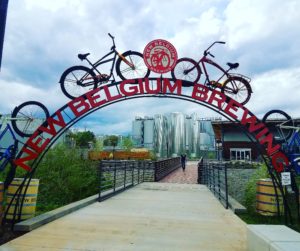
(148, 132)
(137, 131)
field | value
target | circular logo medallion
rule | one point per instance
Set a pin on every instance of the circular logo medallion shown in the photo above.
(160, 56)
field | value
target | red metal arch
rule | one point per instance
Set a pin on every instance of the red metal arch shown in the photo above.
(95, 99)
(42, 139)
(102, 96)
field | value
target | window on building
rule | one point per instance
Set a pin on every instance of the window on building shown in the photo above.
(240, 154)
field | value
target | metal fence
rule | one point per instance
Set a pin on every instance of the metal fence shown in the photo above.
(165, 167)
(118, 175)
(213, 174)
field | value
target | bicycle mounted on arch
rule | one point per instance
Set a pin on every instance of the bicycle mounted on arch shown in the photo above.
(286, 132)
(235, 86)
(77, 80)
(25, 120)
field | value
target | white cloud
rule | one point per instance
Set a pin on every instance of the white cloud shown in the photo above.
(43, 38)
(276, 89)
(14, 93)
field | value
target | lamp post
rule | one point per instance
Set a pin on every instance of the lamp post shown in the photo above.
(219, 149)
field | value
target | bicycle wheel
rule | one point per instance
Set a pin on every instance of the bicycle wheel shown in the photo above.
(139, 69)
(186, 69)
(77, 80)
(280, 124)
(237, 88)
(27, 117)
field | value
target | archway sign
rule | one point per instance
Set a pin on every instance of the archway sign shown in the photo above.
(163, 57)
(160, 56)
(103, 96)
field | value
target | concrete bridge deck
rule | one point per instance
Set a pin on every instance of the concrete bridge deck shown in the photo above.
(148, 217)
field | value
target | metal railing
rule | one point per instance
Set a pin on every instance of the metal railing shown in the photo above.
(118, 175)
(165, 167)
(213, 174)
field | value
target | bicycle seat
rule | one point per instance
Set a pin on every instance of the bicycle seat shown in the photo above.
(83, 56)
(233, 65)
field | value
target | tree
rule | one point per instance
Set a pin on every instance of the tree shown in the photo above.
(99, 145)
(83, 139)
(111, 140)
(127, 143)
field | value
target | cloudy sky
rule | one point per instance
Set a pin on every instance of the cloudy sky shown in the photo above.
(43, 38)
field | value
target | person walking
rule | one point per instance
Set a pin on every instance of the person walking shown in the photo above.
(183, 161)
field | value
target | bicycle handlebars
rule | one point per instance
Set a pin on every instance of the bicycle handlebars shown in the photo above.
(210, 54)
(111, 36)
(113, 39)
(206, 52)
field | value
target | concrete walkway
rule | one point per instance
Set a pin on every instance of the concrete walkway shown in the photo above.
(148, 217)
(189, 176)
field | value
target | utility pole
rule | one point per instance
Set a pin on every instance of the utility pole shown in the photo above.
(3, 13)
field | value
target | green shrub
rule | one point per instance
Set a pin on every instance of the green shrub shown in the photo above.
(64, 178)
(250, 191)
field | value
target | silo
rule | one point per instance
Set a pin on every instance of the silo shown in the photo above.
(188, 134)
(137, 132)
(167, 136)
(158, 135)
(177, 133)
(204, 142)
(148, 132)
(195, 135)
(206, 127)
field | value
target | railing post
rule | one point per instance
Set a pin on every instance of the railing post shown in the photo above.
(156, 171)
(214, 182)
(115, 175)
(208, 174)
(100, 181)
(226, 185)
(132, 173)
(200, 171)
(144, 171)
(139, 165)
(125, 174)
(219, 181)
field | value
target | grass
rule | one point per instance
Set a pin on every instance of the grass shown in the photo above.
(267, 220)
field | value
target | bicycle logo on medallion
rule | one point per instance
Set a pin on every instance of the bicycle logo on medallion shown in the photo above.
(160, 56)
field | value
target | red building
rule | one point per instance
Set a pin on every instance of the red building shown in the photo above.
(235, 143)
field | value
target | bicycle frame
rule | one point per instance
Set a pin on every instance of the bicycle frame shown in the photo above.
(7, 128)
(294, 141)
(113, 59)
(102, 61)
(204, 60)
(9, 152)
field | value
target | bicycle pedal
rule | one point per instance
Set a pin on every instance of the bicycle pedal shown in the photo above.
(103, 77)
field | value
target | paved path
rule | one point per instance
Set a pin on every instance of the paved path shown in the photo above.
(148, 217)
(189, 176)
